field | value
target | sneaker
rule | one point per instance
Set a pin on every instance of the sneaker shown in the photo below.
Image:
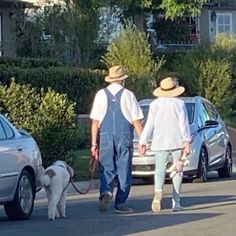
(104, 202)
(176, 206)
(123, 210)
(156, 203)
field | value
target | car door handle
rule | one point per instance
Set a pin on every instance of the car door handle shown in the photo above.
(19, 148)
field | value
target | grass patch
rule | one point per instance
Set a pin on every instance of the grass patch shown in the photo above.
(80, 163)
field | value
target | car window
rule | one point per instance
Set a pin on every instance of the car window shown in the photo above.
(213, 114)
(145, 110)
(6, 131)
(203, 115)
(2, 132)
(190, 107)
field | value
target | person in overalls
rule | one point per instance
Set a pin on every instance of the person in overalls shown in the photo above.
(115, 113)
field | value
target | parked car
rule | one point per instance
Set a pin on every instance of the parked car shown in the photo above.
(20, 167)
(210, 144)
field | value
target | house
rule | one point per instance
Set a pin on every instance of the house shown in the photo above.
(216, 18)
(7, 34)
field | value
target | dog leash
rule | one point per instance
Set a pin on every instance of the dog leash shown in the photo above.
(92, 168)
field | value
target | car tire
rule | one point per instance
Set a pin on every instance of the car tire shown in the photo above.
(23, 203)
(226, 170)
(202, 167)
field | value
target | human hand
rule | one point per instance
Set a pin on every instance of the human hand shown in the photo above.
(186, 148)
(142, 149)
(94, 151)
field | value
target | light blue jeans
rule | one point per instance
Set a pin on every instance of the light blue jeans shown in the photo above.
(161, 159)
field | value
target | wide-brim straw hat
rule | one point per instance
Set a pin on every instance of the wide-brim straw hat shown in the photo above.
(169, 87)
(116, 73)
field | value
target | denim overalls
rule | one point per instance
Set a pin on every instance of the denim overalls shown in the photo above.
(115, 150)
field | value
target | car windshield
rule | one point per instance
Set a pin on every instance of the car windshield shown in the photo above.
(189, 106)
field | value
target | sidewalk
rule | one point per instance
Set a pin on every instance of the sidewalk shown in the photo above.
(82, 186)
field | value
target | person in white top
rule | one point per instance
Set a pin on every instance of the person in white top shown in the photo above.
(168, 120)
(114, 114)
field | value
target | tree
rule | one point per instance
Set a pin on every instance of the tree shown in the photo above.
(179, 8)
(132, 50)
(71, 27)
(173, 8)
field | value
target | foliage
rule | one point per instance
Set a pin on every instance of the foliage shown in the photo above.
(173, 31)
(173, 8)
(79, 159)
(132, 50)
(47, 115)
(208, 71)
(65, 31)
(79, 84)
(214, 84)
(178, 8)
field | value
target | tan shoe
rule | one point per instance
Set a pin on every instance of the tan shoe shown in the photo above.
(156, 203)
(104, 202)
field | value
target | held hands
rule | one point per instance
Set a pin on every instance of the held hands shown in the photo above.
(142, 149)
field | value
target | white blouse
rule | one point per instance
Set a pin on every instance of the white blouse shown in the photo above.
(168, 121)
(129, 104)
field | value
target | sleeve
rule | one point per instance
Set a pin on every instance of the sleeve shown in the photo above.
(136, 112)
(184, 123)
(148, 128)
(95, 113)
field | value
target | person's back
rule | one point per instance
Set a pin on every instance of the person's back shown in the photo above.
(168, 120)
(169, 123)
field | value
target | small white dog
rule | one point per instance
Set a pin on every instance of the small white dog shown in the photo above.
(55, 181)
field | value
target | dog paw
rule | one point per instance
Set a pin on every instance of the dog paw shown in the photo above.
(51, 219)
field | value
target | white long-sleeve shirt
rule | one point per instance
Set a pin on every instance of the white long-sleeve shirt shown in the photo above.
(168, 120)
(129, 104)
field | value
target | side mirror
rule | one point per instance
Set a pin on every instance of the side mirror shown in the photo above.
(211, 123)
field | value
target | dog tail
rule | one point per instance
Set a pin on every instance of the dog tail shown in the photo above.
(45, 179)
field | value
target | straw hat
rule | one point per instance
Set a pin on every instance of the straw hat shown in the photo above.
(115, 73)
(169, 87)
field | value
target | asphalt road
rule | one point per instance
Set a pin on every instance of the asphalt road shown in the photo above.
(210, 209)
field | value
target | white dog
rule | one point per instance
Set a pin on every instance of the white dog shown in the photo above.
(55, 181)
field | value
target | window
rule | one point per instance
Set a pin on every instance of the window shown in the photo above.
(190, 107)
(145, 110)
(224, 23)
(213, 114)
(2, 132)
(203, 115)
(6, 131)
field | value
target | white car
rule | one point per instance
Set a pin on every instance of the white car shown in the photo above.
(20, 168)
(211, 146)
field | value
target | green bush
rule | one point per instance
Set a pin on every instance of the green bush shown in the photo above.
(47, 115)
(207, 71)
(214, 84)
(79, 85)
(132, 50)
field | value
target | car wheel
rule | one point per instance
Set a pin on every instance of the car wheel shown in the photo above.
(227, 169)
(23, 203)
(202, 167)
